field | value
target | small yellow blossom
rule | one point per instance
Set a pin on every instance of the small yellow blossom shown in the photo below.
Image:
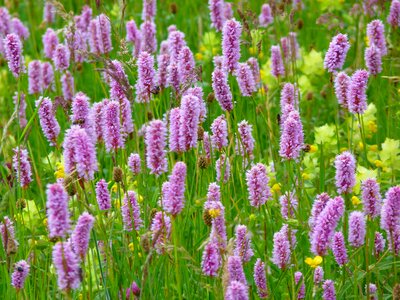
(131, 247)
(140, 199)
(252, 217)
(80, 296)
(117, 204)
(114, 188)
(373, 148)
(361, 146)
(199, 56)
(313, 149)
(305, 176)
(355, 200)
(372, 126)
(214, 212)
(45, 222)
(135, 183)
(378, 163)
(59, 173)
(366, 39)
(314, 262)
(252, 50)
(276, 188)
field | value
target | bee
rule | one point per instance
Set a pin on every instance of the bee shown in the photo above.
(155, 90)
(278, 119)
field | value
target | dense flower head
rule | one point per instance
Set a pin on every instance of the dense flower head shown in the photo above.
(318, 275)
(76, 41)
(48, 122)
(281, 251)
(50, 42)
(146, 77)
(373, 59)
(228, 11)
(111, 126)
(336, 54)
(221, 89)
(198, 93)
(219, 129)
(376, 35)
(394, 15)
(82, 114)
(342, 84)
(161, 231)
(292, 137)
(68, 86)
(148, 41)
(329, 292)
(243, 243)
(218, 227)
(265, 18)
(49, 13)
(149, 10)
(103, 195)
(237, 290)
(57, 211)
(189, 121)
(13, 54)
(104, 33)
(260, 279)
(371, 197)
(131, 212)
(81, 234)
(174, 128)
(356, 94)
(339, 249)
(235, 269)
(223, 168)
(245, 145)
(48, 76)
(22, 166)
(345, 177)
(390, 213)
(289, 96)
(134, 163)
(19, 28)
(97, 114)
(211, 261)
(21, 271)
(61, 57)
(298, 276)
(231, 33)
(186, 66)
(134, 36)
(7, 232)
(255, 70)
(325, 226)
(176, 41)
(95, 42)
(217, 13)
(318, 206)
(277, 67)
(155, 139)
(67, 267)
(79, 153)
(175, 194)
(379, 243)
(83, 21)
(35, 77)
(257, 185)
(245, 79)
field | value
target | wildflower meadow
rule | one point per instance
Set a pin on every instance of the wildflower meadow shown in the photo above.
(202, 149)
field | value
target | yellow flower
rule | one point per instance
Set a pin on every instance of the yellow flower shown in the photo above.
(199, 56)
(378, 163)
(140, 199)
(313, 262)
(355, 200)
(59, 173)
(252, 50)
(45, 222)
(361, 145)
(373, 148)
(305, 176)
(276, 188)
(313, 149)
(131, 247)
(135, 183)
(252, 217)
(372, 126)
(366, 39)
(114, 188)
(116, 203)
(214, 213)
